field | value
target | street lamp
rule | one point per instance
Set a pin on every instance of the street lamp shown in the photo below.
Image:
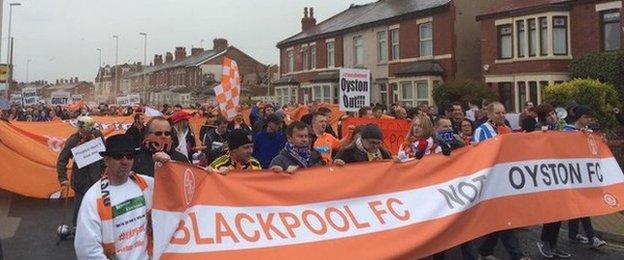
(116, 48)
(100, 55)
(9, 51)
(144, 48)
(145, 65)
(27, 70)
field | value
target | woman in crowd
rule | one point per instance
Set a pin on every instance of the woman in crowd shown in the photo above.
(466, 130)
(420, 139)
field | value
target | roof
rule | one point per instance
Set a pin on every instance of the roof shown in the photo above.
(187, 61)
(358, 16)
(511, 6)
(329, 76)
(422, 68)
(286, 80)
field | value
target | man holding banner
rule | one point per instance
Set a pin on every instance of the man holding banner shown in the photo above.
(114, 221)
(81, 178)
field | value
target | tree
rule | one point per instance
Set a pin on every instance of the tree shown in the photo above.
(463, 92)
(607, 67)
(600, 97)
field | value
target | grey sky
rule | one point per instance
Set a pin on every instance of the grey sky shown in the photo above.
(61, 36)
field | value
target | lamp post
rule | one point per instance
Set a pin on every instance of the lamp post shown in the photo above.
(9, 51)
(145, 65)
(27, 70)
(116, 81)
(100, 57)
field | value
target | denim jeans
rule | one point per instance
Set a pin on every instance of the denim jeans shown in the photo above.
(573, 226)
(509, 239)
(550, 233)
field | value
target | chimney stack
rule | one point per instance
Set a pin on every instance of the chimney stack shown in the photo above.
(157, 59)
(196, 51)
(168, 57)
(220, 44)
(307, 22)
(76, 80)
(180, 53)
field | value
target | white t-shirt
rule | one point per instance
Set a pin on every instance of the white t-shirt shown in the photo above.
(129, 221)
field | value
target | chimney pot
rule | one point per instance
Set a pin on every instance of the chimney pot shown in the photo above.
(311, 12)
(196, 51)
(180, 53)
(168, 57)
(308, 22)
(220, 44)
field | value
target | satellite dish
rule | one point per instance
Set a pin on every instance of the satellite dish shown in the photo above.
(562, 113)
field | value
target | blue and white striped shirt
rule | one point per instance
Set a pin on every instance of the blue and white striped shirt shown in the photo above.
(483, 132)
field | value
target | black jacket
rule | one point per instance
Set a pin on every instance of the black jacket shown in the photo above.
(136, 134)
(351, 154)
(285, 159)
(144, 164)
(83, 178)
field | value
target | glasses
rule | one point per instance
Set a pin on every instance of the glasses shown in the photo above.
(161, 133)
(120, 156)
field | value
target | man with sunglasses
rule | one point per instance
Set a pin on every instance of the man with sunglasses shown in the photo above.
(82, 178)
(157, 147)
(114, 220)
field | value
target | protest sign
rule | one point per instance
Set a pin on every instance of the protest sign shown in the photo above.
(394, 130)
(29, 96)
(16, 99)
(60, 98)
(88, 152)
(133, 99)
(76, 97)
(354, 89)
(123, 101)
(488, 188)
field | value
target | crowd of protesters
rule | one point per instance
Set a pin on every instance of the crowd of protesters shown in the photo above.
(268, 143)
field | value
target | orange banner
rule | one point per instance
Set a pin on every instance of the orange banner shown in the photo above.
(30, 150)
(394, 130)
(321, 213)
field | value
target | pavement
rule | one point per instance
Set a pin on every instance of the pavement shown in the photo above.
(28, 231)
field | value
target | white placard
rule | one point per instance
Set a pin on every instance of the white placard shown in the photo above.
(16, 99)
(76, 97)
(123, 101)
(29, 96)
(60, 98)
(133, 99)
(3, 86)
(354, 89)
(88, 152)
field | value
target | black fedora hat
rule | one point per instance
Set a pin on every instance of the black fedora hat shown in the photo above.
(119, 144)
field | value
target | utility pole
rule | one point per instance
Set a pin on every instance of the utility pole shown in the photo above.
(145, 65)
(10, 50)
(27, 70)
(116, 80)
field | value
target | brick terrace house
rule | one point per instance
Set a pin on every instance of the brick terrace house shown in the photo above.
(410, 46)
(171, 80)
(527, 45)
(109, 82)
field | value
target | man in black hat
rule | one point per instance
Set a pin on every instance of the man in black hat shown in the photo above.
(239, 157)
(366, 148)
(116, 205)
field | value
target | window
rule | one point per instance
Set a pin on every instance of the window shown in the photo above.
(394, 34)
(358, 50)
(291, 61)
(533, 93)
(532, 38)
(543, 36)
(505, 94)
(560, 35)
(330, 55)
(522, 94)
(520, 38)
(326, 93)
(611, 30)
(406, 94)
(313, 57)
(426, 39)
(505, 44)
(422, 93)
(304, 59)
(382, 46)
(383, 93)
(318, 94)
(322, 93)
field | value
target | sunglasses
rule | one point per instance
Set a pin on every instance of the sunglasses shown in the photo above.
(120, 156)
(161, 133)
